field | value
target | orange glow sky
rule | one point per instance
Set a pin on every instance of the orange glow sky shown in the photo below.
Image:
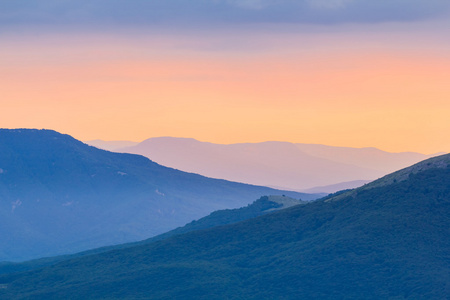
(345, 88)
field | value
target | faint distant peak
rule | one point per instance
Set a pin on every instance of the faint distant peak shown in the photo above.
(110, 145)
(336, 187)
(170, 138)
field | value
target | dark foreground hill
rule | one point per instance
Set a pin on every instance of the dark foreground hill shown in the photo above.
(59, 195)
(383, 241)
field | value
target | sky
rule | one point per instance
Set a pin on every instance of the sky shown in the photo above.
(356, 73)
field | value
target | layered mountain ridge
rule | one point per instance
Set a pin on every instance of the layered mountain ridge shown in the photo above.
(387, 241)
(59, 195)
(300, 167)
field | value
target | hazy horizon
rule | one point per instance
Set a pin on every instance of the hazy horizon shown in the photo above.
(131, 142)
(293, 166)
(342, 73)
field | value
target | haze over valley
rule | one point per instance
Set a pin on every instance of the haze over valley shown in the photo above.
(294, 166)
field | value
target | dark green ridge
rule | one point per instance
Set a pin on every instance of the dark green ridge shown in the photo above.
(387, 242)
(61, 196)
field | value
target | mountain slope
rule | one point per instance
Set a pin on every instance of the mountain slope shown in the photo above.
(264, 205)
(58, 195)
(385, 242)
(439, 162)
(276, 164)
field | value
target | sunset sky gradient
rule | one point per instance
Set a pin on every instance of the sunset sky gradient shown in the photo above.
(341, 73)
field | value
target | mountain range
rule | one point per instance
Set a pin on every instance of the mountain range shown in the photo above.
(283, 165)
(59, 195)
(385, 240)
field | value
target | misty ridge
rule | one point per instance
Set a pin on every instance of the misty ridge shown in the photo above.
(307, 168)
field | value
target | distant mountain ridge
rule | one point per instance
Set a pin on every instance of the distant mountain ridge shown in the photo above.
(368, 157)
(59, 195)
(299, 167)
(337, 187)
(387, 241)
(111, 145)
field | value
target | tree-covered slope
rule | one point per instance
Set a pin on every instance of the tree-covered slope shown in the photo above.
(59, 195)
(387, 242)
(264, 205)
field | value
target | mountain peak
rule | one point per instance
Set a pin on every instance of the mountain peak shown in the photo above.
(30, 131)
